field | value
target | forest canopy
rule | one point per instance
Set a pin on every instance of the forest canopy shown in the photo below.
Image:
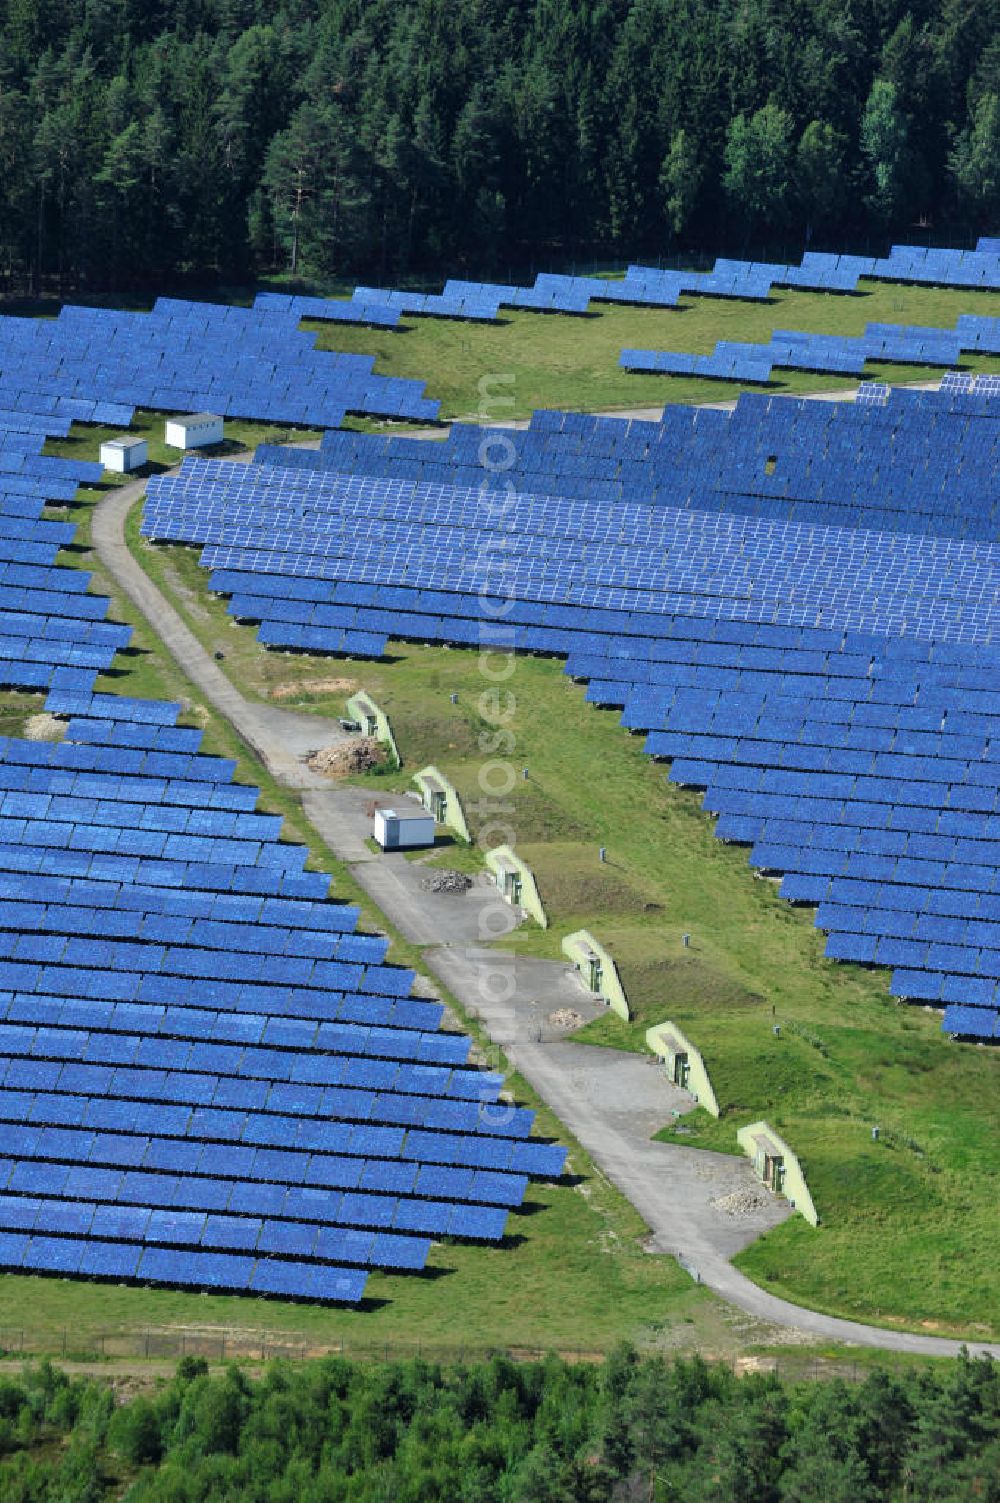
(218, 139)
(631, 1430)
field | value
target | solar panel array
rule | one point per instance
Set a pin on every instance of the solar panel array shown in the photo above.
(98, 364)
(649, 286)
(932, 458)
(842, 354)
(832, 687)
(208, 1077)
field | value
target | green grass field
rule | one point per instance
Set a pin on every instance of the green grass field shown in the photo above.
(563, 361)
(908, 1223)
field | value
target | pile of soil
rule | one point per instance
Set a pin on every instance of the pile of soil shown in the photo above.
(346, 758)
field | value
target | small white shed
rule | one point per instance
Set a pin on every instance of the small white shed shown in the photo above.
(403, 829)
(124, 454)
(195, 431)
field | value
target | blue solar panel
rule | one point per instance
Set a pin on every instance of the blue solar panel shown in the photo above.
(830, 700)
(208, 1078)
(649, 286)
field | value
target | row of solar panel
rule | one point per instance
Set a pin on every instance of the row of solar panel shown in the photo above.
(259, 912)
(809, 750)
(271, 1064)
(118, 1169)
(119, 1197)
(103, 801)
(660, 681)
(641, 285)
(128, 1023)
(40, 1127)
(211, 877)
(694, 712)
(903, 924)
(194, 1229)
(798, 828)
(368, 1123)
(111, 361)
(631, 635)
(370, 1007)
(188, 1270)
(93, 836)
(157, 928)
(147, 761)
(256, 1080)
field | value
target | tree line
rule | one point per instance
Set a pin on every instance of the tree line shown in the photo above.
(143, 142)
(635, 1430)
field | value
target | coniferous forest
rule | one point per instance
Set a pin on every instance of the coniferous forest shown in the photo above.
(632, 1431)
(146, 143)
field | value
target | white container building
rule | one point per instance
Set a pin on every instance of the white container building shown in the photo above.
(124, 454)
(196, 431)
(403, 829)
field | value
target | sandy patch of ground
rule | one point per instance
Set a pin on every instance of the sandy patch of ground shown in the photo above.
(296, 688)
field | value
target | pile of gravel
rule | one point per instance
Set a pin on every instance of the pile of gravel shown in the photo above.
(742, 1203)
(565, 1017)
(446, 881)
